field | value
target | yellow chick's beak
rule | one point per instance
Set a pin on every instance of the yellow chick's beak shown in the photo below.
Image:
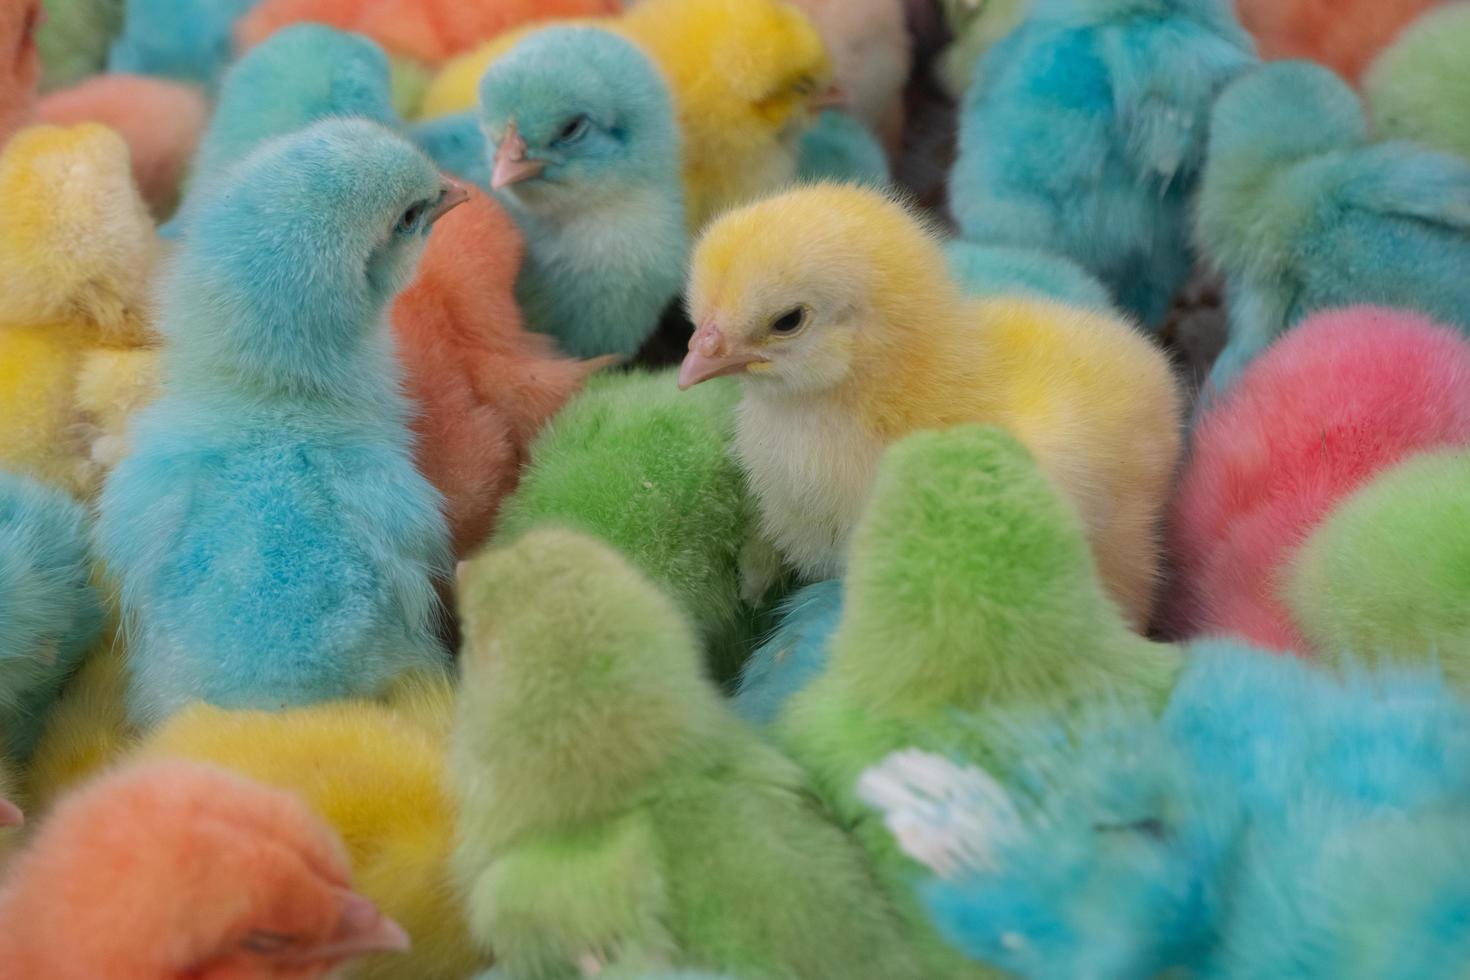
(710, 357)
(10, 815)
(361, 929)
(835, 97)
(511, 164)
(452, 196)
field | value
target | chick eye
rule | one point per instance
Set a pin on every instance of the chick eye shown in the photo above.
(791, 321)
(805, 85)
(264, 943)
(573, 130)
(409, 221)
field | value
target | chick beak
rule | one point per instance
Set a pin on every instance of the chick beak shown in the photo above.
(453, 195)
(710, 357)
(361, 929)
(10, 815)
(511, 164)
(835, 97)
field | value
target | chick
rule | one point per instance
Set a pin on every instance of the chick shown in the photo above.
(20, 66)
(482, 385)
(74, 38)
(646, 825)
(793, 655)
(1100, 161)
(1418, 86)
(994, 270)
(1301, 214)
(382, 792)
(586, 159)
(975, 27)
(1340, 398)
(835, 307)
(76, 261)
(274, 544)
(219, 878)
(456, 144)
(648, 471)
(1342, 34)
(970, 591)
(185, 40)
(839, 148)
(49, 611)
(872, 54)
(745, 76)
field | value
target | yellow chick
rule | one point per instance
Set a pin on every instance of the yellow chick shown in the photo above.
(746, 77)
(76, 256)
(373, 773)
(834, 306)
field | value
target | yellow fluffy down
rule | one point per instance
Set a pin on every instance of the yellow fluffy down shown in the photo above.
(374, 773)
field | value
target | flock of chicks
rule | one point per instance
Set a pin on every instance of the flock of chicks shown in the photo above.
(376, 594)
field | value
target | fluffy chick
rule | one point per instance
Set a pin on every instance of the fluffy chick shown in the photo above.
(1301, 214)
(612, 809)
(274, 543)
(970, 590)
(427, 30)
(793, 655)
(1340, 398)
(382, 792)
(185, 40)
(586, 153)
(20, 65)
(74, 39)
(975, 28)
(1342, 34)
(49, 611)
(76, 260)
(835, 307)
(1418, 86)
(872, 54)
(221, 878)
(840, 148)
(1105, 105)
(745, 76)
(995, 270)
(483, 386)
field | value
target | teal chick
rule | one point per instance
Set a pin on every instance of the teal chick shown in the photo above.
(999, 270)
(587, 161)
(274, 543)
(614, 813)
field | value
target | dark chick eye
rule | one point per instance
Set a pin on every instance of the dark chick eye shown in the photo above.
(790, 321)
(267, 943)
(411, 218)
(574, 130)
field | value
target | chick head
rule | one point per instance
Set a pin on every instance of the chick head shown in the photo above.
(574, 113)
(78, 243)
(293, 254)
(808, 289)
(581, 679)
(1284, 111)
(217, 877)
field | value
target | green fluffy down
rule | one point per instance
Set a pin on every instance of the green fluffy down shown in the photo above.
(1387, 576)
(1419, 88)
(646, 468)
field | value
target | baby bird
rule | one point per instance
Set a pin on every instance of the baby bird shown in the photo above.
(839, 148)
(994, 270)
(220, 879)
(274, 543)
(20, 65)
(834, 306)
(76, 262)
(586, 159)
(746, 75)
(1105, 108)
(613, 810)
(1417, 88)
(975, 28)
(382, 792)
(74, 38)
(1302, 214)
(185, 40)
(793, 655)
(49, 611)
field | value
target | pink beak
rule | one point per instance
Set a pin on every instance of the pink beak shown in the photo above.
(453, 195)
(361, 929)
(10, 815)
(511, 165)
(709, 357)
(835, 97)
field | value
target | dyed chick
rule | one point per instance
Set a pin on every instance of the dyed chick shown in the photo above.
(746, 76)
(1339, 399)
(793, 655)
(20, 66)
(49, 611)
(613, 810)
(1345, 35)
(382, 792)
(185, 40)
(632, 462)
(74, 38)
(586, 159)
(841, 149)
(835, 307)
(1130, 112)
(221, 879)
(975, 28)
(1302, 214)
(76, 262)
(970, 592)
(274, 543)
(483, 386)
(456, 144)
(995, 270)
(1418, 85)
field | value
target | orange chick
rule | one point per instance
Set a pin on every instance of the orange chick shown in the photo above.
(176, 871)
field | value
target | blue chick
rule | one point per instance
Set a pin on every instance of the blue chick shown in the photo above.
(294, 78)
(50, 613)
(586, 160)
(794, 655)
(456, 144)
(1301, 213)
(991, 270)
(274, 543)
(838, 148)
(1084, 132)
(186, 40)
